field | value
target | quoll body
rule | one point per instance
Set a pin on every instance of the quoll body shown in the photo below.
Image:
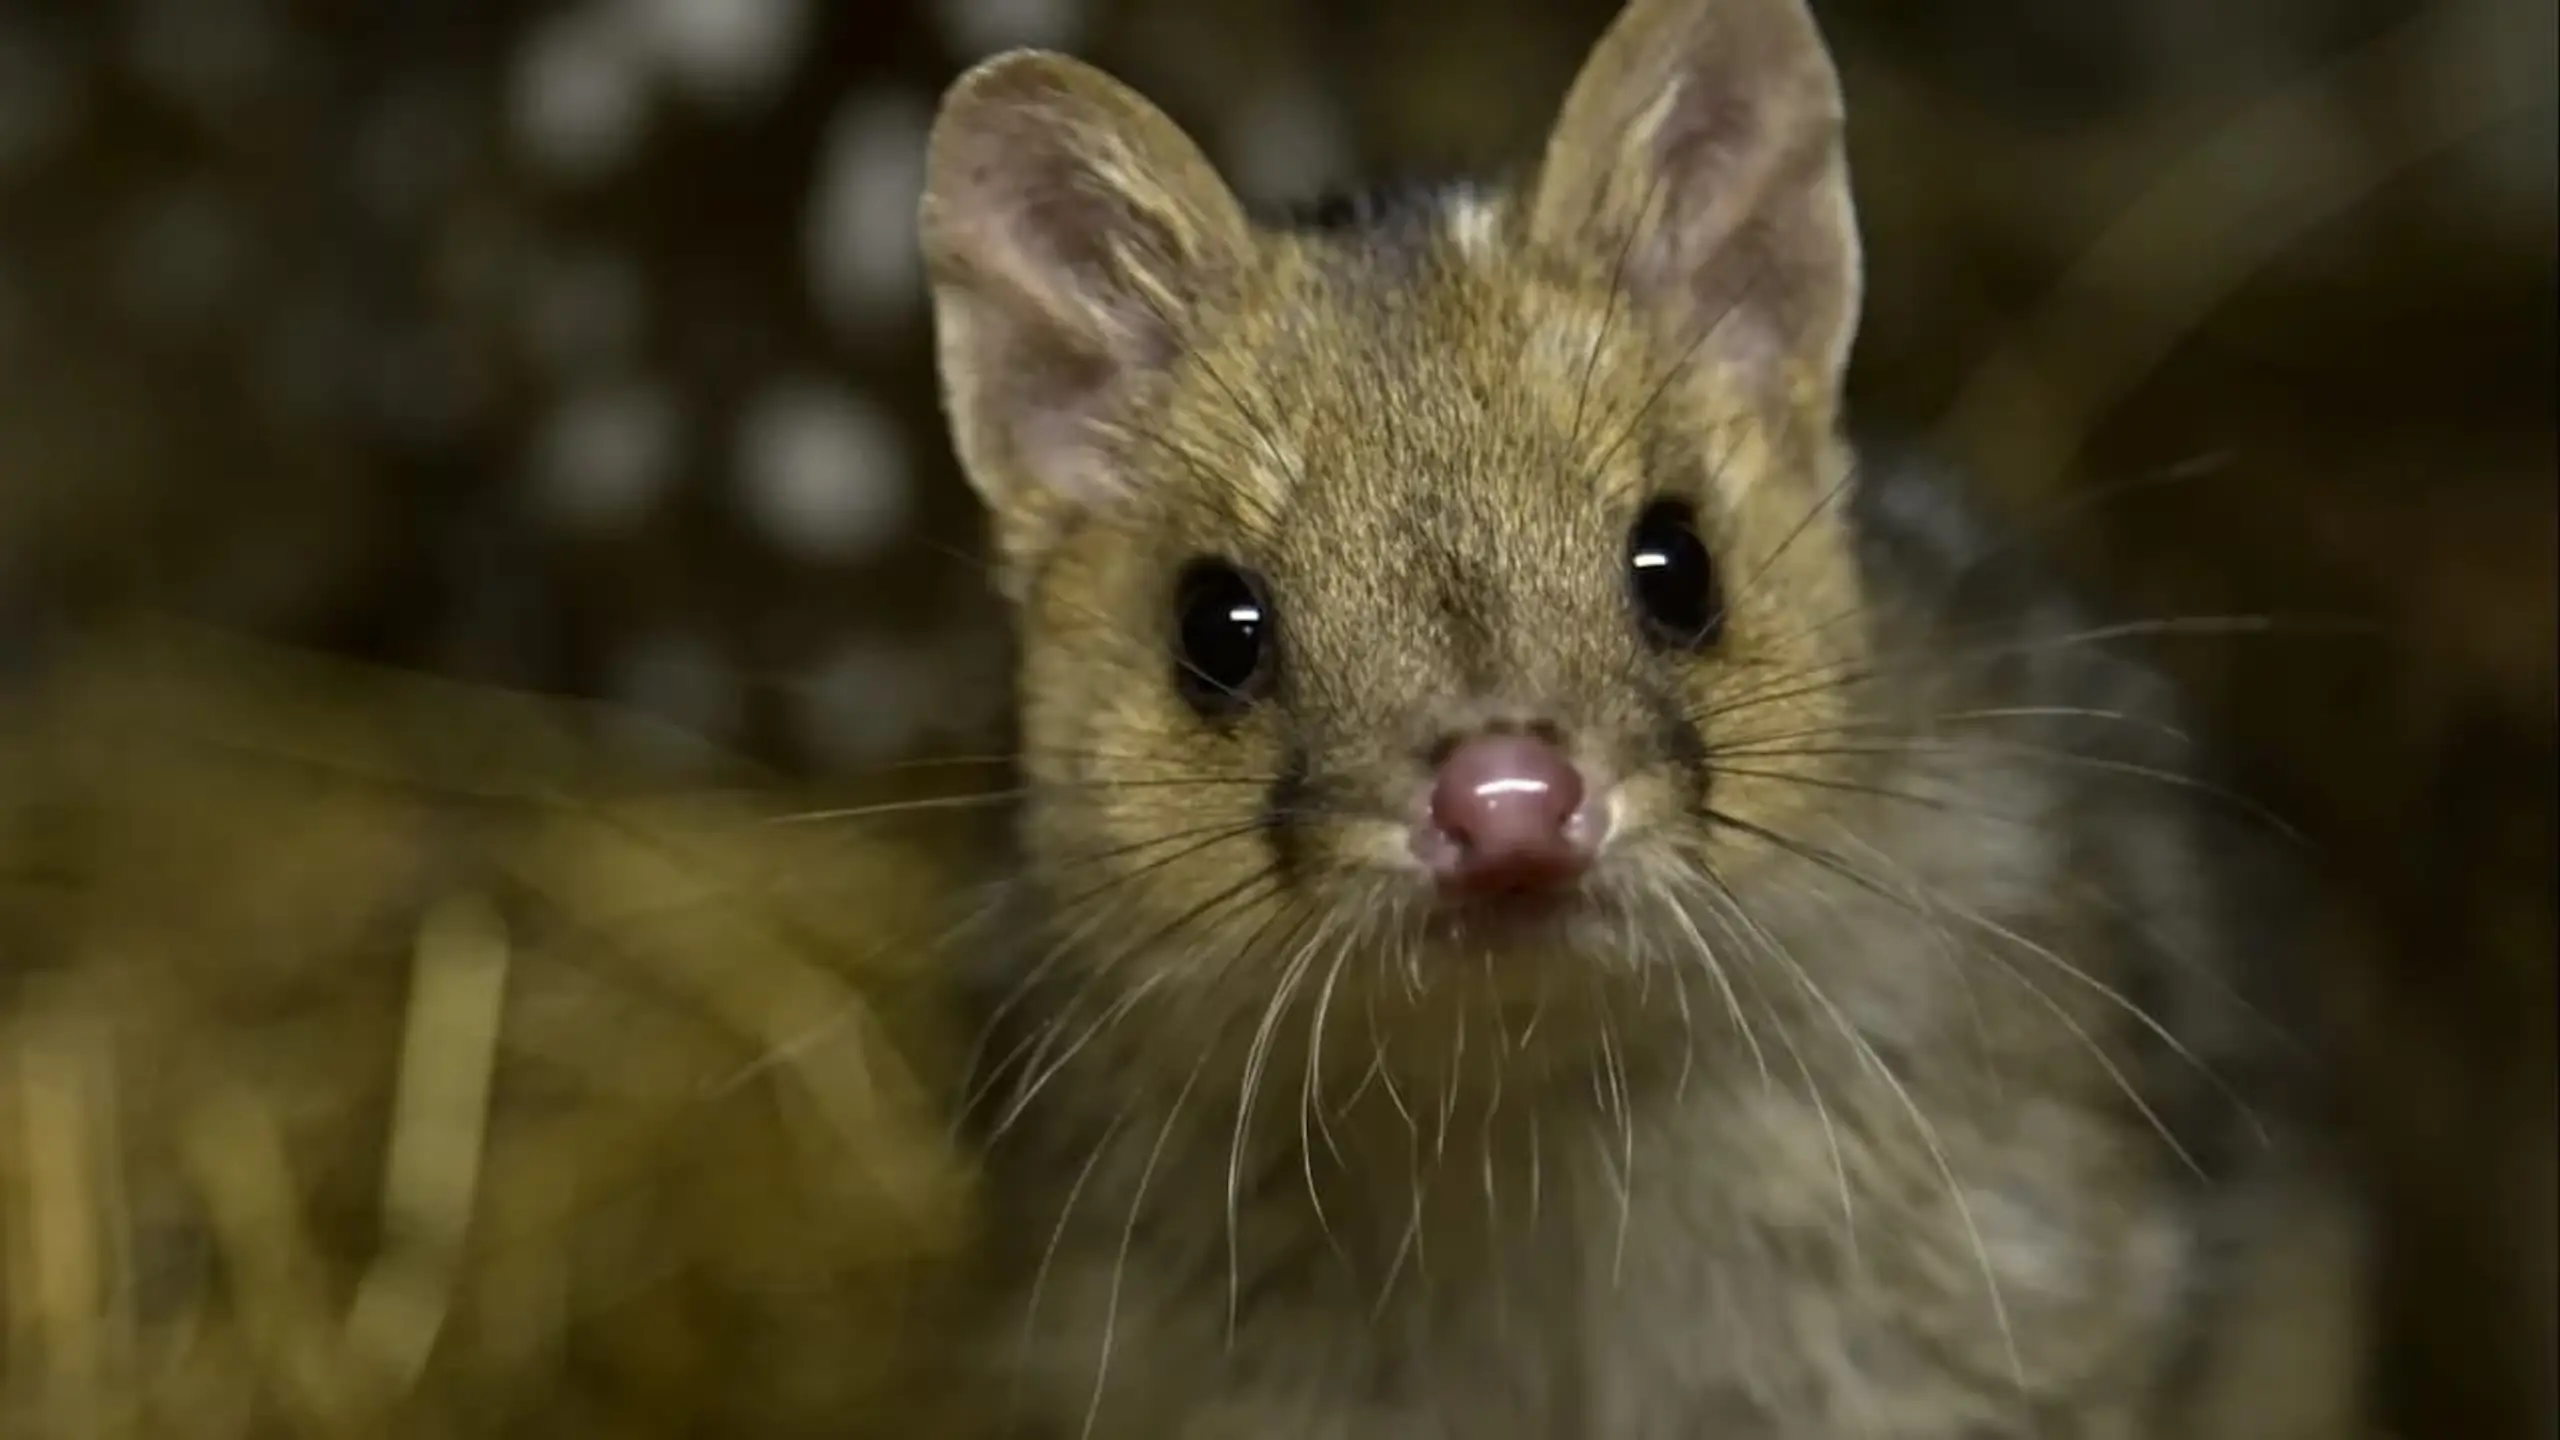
(1559, 899)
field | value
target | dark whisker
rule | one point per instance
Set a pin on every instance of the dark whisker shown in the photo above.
(1916, 726)
(2079, 505)
(1067, 908)
(1875, 1065)
(2047, 755)
(1671, 374)
(1259, 885)
(1009, 795)
(1830, 496)
(1938, 803)
(1609, 316)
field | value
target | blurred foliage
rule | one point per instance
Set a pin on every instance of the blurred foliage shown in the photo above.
(375, 1064)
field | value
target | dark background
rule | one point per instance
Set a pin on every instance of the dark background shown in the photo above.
(578, 347)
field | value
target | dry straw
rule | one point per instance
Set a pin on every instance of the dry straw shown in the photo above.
(374, 1064)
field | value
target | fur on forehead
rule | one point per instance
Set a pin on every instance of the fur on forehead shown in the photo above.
(1081, 250)
(1441, 350)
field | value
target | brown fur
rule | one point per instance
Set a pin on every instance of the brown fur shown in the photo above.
(1833, 1113)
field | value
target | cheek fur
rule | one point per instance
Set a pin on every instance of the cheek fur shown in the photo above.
(1182, 809)
(1672, 705)
(1288, 805)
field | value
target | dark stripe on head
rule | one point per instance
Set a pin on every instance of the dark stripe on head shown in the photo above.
(1409, 205)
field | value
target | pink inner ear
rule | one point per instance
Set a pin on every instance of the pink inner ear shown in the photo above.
(1061, 445)
(1703, 141)
(1059, 206)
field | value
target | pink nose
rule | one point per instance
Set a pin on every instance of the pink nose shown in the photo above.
(1506, 815)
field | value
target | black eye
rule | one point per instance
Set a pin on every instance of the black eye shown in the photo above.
(1671, 578)
(1222, 638)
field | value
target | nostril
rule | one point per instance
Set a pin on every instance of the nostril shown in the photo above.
(1503, 813)
(1504, 787)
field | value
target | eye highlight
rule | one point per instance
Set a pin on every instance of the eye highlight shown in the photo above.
(1222, 637)
(1671, 578)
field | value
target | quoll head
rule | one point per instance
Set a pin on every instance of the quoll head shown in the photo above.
(1405, 574)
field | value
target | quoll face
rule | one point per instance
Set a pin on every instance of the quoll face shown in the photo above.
(1430, 616)
(1413, 598)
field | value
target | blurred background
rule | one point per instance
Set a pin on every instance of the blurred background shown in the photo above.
(579, 348)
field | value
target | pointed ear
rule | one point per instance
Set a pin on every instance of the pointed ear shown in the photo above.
(1698, 161)
(1071, 235)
